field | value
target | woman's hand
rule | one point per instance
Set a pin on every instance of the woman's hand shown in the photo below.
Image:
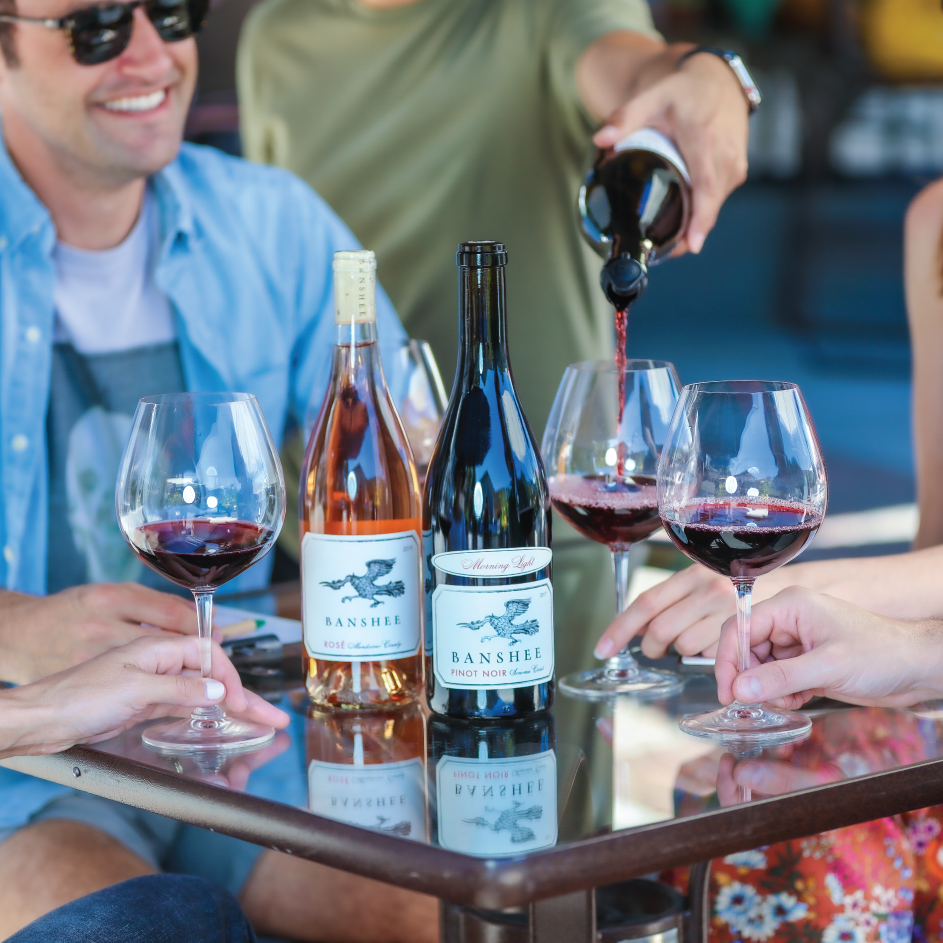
(150, 677)
(805, 644)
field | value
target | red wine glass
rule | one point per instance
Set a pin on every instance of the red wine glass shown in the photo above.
(200, 498)
(601, 449)
(742, 490)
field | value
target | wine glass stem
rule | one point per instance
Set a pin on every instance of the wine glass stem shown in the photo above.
(205, 717)
(622, 662)
(744, 590)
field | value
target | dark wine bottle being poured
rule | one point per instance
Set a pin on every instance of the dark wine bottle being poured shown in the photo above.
(486, 523)
(634, 208)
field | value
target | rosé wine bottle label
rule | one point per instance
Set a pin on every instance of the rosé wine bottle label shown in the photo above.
(491, 807)
(360, 596)
(488, 637)
(387, 797)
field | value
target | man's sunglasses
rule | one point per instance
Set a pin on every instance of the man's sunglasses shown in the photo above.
(97, 34)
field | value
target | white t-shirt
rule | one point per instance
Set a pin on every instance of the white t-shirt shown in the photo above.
(108, 301)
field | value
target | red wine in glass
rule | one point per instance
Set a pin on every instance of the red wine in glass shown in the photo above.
(200, 498)
(201, 553)
(742, 489)
(602, 445)
(741, 539)
(609, 511)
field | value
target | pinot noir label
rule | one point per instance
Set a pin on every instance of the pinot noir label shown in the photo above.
(491, 807)
(493, 564)
(360, 596)
(493, 637)
(388, 797)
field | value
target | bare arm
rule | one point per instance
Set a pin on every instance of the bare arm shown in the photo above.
(923, 282)
(688, 609)
(633, 81)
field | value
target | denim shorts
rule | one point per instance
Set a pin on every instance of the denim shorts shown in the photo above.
(165, 844)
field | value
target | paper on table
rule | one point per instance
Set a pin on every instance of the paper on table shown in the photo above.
(240, 623)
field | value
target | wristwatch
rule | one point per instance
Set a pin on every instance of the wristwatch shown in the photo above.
(738, 68)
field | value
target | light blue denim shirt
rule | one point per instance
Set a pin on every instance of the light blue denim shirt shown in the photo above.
(245, 259)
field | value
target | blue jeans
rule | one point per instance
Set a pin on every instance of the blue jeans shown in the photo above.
(157, 908)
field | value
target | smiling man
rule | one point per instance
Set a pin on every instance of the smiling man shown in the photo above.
(132, 265)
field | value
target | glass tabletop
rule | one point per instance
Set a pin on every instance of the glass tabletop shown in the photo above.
(581, 770)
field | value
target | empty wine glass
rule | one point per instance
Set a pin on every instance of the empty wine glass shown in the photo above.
(200, 498)
(423, 404)
(742, 490)
(601, 449)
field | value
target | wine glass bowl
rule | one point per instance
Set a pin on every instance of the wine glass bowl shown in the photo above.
(422, 405)
(601, 449)
(742, 489)
(200, 498)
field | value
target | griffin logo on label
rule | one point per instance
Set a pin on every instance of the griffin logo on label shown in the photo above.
(365, 586)
(510, 821)
(503, 625)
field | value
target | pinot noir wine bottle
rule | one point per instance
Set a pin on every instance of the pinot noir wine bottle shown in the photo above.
(486, 523)
(493, 787)
(634, 208)
(360, 521)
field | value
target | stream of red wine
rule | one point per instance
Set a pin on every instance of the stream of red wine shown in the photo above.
(622, 320)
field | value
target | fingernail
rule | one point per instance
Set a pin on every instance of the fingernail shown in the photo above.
(606, 132)
(604, 648)
(214, 689)
(748, 688)
(695, 242)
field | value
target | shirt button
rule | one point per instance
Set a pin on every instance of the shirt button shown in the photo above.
(8, 554)
(35, 229)
(19, 443)
(3, 242)
(34, 334)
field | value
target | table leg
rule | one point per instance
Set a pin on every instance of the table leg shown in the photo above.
(699, 903)
(450, 922)
(567, 919)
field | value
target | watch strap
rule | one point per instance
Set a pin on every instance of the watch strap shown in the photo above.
(737, 66)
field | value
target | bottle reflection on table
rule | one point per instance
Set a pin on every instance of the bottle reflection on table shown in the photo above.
(369, 769)
(493, 788)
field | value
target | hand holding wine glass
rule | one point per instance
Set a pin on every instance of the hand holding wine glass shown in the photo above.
(601, 449)
(200, 498)
(742, 490)
(804, 644)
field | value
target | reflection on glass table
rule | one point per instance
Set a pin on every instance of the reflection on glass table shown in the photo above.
(583, 769)
(369, 769)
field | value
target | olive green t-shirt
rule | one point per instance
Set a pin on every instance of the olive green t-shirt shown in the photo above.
(438, 122)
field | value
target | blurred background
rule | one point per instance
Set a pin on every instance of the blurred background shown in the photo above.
(802, 278)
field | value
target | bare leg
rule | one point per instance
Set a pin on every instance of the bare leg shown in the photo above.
(309, 902)
(51, 863)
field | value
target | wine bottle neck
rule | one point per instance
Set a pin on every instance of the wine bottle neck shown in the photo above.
(357, 354)
(483, 327)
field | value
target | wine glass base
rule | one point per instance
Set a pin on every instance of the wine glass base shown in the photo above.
(747, 724)
(602, 683)
(184, 736)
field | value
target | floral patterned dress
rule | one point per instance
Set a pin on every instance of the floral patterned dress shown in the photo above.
(878, 882)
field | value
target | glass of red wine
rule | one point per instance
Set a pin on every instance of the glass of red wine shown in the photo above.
(742, 490)
(200, 498)
(601, 449)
